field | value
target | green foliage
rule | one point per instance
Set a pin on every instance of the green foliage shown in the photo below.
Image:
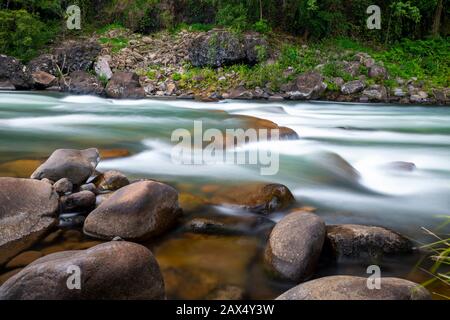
(424, 59)
(234, 16)
(22, 34)
(116, 44)
(262, 26)
(440, 250)
(195, 27)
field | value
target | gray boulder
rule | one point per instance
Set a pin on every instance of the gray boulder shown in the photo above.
(44, 63)
(76, 55)
(14, 73)
(75, 165)
(355, 288)
(353, 87)
(82, 82)
(376, 93)
(378, 72)
(102, 68)
(294, 246)
(28, 210)
(218, 48)
(115, 270)
(308, 86)
(136, 212)
(125, 85)
(350, 240)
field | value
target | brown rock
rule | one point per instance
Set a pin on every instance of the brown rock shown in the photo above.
(256, 197)
(355, 288)
(75, 165)
(27, 212)
(113, 270)
(294, 246)
(136, 212)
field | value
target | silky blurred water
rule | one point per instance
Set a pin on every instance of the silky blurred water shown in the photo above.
(369, 137)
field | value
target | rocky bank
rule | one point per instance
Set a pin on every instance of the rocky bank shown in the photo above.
(157, 66)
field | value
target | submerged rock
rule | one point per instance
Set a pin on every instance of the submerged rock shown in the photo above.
(113, 270)
(125, 85)
(28, 210)
(294, 246)
(136, 212)
(355, 288)
(257, 197)
(365, 241)
(75, 165)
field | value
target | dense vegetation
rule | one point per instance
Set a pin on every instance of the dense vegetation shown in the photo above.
(26, 25)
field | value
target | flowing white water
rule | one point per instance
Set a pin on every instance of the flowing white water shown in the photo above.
(369, 137)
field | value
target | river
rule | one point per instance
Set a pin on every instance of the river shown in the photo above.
(372, 138)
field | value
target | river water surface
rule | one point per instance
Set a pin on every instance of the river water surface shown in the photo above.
(369, 137)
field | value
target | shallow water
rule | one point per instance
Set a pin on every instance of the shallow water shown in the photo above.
(369, 137)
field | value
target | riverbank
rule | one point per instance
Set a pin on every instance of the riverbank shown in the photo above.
(221, 64)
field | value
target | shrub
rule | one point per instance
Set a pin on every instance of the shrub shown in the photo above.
(233, 16)
(22, 34)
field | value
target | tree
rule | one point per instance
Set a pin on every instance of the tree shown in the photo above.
(437, 18)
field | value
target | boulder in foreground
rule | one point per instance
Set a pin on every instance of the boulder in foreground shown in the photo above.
(114, 270)
(355, 288)
(137, 212)
(294, 246)
(75, 165)
(27, 211)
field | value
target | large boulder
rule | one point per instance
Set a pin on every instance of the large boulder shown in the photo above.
(45, 63)
(376, 93)
(353, 87)
(14, 73)
(378, 72)
(125, 85)
(255, 197)
(308, 86)
(28, 210)
(82, 82)
(359, 241)
(294, 246)
(76, 55)
(75, 165)
(136, 212)
(115, 270)
(356, 288)
(218, 48)
(102, 68)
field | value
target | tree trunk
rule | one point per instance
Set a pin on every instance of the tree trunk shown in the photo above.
(437, 18)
